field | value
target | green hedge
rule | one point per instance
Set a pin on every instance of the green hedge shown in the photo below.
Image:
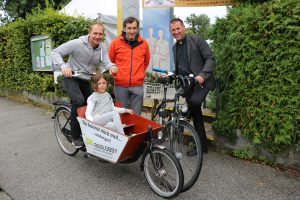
(15, 57)
(258, 65)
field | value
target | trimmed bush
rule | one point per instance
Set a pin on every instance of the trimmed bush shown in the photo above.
(258, 65)
(15, 56)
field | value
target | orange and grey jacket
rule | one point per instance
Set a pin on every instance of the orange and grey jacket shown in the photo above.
(131, 60)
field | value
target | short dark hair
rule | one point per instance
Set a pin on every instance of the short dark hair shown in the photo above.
(130, 20)
(96, 77)
(176, 20)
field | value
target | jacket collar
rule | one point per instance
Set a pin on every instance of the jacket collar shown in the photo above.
(139, 40)
(123, 37)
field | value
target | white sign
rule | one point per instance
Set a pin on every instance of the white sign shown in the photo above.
(186, 3)
(102, 142)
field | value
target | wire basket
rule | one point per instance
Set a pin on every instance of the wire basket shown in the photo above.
(156, 91)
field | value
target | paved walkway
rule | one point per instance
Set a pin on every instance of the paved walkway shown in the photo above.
(33, 167)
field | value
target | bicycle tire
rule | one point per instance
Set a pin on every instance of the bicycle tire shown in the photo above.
(163, 172)
(62, 124)
(185, 139)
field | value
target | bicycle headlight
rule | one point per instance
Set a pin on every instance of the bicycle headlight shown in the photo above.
(184, 109)
(159, 135)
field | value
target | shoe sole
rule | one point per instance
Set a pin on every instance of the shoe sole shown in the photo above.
(77, 147)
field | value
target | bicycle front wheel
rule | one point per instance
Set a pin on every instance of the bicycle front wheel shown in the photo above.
(181, 139)
(163, 172)
(62, 129)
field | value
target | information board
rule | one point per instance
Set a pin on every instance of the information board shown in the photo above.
(41, 47)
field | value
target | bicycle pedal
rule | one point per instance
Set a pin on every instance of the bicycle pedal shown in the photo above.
(103, 161)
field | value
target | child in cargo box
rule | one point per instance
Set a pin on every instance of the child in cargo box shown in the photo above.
(100, 106)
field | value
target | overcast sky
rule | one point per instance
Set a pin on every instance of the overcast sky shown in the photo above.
(90, 8)
(211, 12)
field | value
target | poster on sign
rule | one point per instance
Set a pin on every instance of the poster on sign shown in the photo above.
(102, 142)
(185, 3)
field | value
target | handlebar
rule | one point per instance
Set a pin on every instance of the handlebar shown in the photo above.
(155, 69)
(81, 74)
(184, 82)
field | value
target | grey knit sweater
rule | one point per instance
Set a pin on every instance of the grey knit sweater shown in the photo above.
(99, 103)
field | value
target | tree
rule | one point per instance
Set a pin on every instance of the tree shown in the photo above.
(199, 24)
(14, 9)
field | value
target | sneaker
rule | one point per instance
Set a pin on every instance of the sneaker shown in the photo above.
(191, 152)
(78, 142)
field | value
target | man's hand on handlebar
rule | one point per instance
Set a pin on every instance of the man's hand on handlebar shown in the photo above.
(67, 72)
(163, 76)
(199, 79)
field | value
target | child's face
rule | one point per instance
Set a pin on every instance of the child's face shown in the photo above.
(101, 85)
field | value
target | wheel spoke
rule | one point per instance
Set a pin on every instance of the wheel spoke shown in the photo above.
(184, 139)
(164, 173)
(62, 129)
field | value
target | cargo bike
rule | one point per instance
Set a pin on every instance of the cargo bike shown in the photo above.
(161, 168)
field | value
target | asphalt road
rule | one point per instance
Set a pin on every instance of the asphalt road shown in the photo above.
(33, 167)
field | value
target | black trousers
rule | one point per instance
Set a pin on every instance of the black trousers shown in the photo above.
(195, 97)
(78, 90)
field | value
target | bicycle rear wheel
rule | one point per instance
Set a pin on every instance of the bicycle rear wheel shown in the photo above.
(185, 139)
(62, 129)
(163, 172)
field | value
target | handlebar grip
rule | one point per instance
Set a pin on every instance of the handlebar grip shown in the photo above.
(156, 69)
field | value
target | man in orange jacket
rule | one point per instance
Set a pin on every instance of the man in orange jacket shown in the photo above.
(130, 53)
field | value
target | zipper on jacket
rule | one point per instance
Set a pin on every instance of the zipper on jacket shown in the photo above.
(131, 56)
(131, 66)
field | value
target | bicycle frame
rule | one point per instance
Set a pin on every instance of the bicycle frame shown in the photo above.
(160, 108)
(177, 128)
(175, 115)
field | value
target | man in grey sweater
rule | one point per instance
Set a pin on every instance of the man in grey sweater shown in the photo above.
(85, 54)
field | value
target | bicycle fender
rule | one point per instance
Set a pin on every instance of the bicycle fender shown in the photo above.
(159, 146)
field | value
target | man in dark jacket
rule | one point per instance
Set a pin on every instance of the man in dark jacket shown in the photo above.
(192, 55)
